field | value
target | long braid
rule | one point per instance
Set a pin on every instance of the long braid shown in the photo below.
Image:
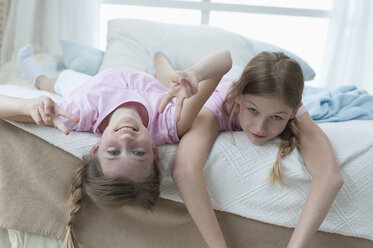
(75, 203)
(289, 142)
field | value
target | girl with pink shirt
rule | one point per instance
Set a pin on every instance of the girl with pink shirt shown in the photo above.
(264, 102)
(131, 111)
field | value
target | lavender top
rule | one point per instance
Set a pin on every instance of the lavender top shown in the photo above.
(99, 96)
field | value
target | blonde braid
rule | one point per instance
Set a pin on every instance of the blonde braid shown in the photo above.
(289, 142)
(75, 203)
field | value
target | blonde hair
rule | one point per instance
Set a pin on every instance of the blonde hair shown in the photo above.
(89, 180)
(270, 74)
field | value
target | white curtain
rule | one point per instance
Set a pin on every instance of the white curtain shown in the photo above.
(43, 23)
(348, 54)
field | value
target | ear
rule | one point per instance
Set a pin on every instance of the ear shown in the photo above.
(95, 148)
(155, 152)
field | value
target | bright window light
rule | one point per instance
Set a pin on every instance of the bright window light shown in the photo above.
(303, 4)
(303, 36)
(167, 15)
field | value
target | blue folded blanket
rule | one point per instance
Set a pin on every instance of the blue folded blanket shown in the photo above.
(341, 103)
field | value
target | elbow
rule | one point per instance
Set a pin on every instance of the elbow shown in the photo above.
(336, 181)
(333, 179)
(228, 60)
(340, 181)
(336, 178)
(227, 53)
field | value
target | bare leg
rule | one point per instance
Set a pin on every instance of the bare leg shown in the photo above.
(163, 69)
(44, 83)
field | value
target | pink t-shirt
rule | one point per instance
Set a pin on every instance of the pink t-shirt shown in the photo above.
(102, 94)
(215, 103)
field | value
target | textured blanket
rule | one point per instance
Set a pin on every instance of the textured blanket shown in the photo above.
(34, 179)
(236, 175)
(341, 103)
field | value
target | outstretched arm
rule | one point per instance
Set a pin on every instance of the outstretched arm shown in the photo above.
(326, 180)
(191, 156)
(11, 107)
(41, 110)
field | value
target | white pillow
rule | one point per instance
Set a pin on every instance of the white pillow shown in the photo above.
(129, 44)
(130, 41)
(259, 46)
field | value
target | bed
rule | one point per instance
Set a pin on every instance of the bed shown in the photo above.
(252, 213)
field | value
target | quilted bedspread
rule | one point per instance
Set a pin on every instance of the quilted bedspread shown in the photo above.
(236, 175)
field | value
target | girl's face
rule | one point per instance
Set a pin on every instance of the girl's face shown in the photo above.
(263, 118)
(125, 149)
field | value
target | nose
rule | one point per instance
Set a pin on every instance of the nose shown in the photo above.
(260, 126)
(124, 138)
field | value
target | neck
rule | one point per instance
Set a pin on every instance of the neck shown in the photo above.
(134, 109)
(140, 111)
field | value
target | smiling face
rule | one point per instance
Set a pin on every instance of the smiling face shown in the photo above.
(125, 149)
(263, 118)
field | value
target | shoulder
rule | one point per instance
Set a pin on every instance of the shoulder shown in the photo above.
(301, 110)
(308, 127)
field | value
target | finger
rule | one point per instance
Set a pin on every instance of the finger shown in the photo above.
(178, 107)
(65, 113)
(46, 119)
(48, 105)
(48, 109)
(176, 78)
(186, 88)
(165, 100)
(192, 86)
(35, 115)
(59, 124)
(181, 76)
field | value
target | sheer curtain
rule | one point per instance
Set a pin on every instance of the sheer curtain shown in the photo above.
(43, 23)
(348, 55)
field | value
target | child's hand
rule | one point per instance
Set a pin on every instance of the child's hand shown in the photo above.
(183, 85)
(44, 111)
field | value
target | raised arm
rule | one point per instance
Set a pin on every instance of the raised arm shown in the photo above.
(205, 75)
(209, 72)
(327, 180)
(41, 110)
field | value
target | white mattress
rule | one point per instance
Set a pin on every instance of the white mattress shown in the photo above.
(236, 174)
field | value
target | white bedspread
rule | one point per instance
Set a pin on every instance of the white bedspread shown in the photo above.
(236, 174)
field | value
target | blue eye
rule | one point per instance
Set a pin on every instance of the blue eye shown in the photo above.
(276, 117)
(114, 152)
(252, 110)
(139, 153)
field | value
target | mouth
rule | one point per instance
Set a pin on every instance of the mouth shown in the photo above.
(258, 136)
(126, 128)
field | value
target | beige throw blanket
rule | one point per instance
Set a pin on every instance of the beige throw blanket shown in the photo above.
(34, 181)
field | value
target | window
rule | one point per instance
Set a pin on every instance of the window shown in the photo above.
(299, 26)
(168, 15)
(301, 4)
(303, 36)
